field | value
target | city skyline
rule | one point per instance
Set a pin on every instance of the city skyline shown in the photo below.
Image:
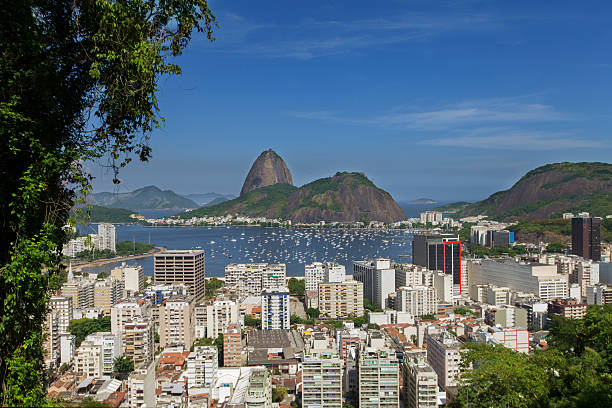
(452, 101)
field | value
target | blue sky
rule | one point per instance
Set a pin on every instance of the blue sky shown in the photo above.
(451, 100)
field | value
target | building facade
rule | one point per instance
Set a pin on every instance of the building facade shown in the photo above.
(378, 280)
(182, 266)
(341, 299)
(586, 237)
(275, 309)
(322, 380)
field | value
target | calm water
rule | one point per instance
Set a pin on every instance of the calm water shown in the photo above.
(294, 247)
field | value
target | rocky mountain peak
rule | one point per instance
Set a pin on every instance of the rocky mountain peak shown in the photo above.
(268, 169)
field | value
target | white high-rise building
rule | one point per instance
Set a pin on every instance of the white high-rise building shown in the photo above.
(444, 357)
(63, 305)
(378, 370)
(132, 276)
(341, 299)
(443, 284)
(96, 355)
(275, 309)
(378, 280)
(219, 315)
(274, 276)
(322, 379)
(539, 279)
(334, 272)
(126, 311)
(107, 237)
(420, 384)
(314, 274)
(202, 366)
(418, 300)
(177, 322)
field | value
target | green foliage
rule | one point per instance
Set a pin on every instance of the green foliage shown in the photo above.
(296, 286)
(463, 311)
(89, 402)
(133, 248)
(295, 319)
(79, 83)
(212, 285)
(96, 213)
(279, 394)
(204, 341)
(313, 313)
(452, 207)
(481, 251)
(360, 320)
(252, 322)
(574, 372)
(82, 328)
(429, 316)
(102, 275)
(369, 306)
(556, 247)
(123, 365)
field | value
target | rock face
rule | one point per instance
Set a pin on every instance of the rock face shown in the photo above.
(268, 169)
(345, 197)
(551, 190)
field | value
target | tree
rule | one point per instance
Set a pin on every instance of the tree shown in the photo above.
(124, 365)
(296, 286)
(313, 313)
(212, 285)
(251, 321)
(279, 394)
(102, 275)
(89, 402)
(556, 247)
(79, 83)
(463, 311)
(82, 328)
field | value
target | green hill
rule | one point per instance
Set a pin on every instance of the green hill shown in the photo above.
(344, 197)
(95, 213)
(149, 198)
(551, 190)
(452, 207)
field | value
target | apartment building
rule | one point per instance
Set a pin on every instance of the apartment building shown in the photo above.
(96, 355)
(528, 277)
(107, 293)
(182, 266)
(420, 384)
(314, 274)
(259, 391)
(568, 308)
(378, 371)
(341, 299)
(132, 276)
(106, 237)
(81, 292)
(275, 309)
(378, 280)
(219, 315)
(126, 311)
(322, 379)
(599, 295)
(63, 306)
(444, 357)
(244, 279)
(507, 316)
(407, 274)
(418, 300)
(202, 366)
(274, 276)
(139, 341)
(232, 346)
(177, 322)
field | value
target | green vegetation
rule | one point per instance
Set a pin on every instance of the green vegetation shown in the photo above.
(212, 286)
(481, 251)
(89, 402)
(258, 203)
(556, 247)
(96, 213)
(252, 322)
(557, 225)
(574, 372)
(596, 201)
(296, 286)
(124, 248)
(295, 319)
(463, 311)
(430, 316)
(149, 197)
(370, 307)
(313, 313)
(123, 365)
(279, 394)
(82, 328)
(451, 207)
(80, 84)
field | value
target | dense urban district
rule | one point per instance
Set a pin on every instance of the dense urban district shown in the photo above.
(477, 319)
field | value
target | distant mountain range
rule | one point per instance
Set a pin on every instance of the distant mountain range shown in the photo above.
(209, 198)
(549, 191)
(146, 198)
(420, 201)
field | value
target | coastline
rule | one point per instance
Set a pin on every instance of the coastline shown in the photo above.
(99, 262)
